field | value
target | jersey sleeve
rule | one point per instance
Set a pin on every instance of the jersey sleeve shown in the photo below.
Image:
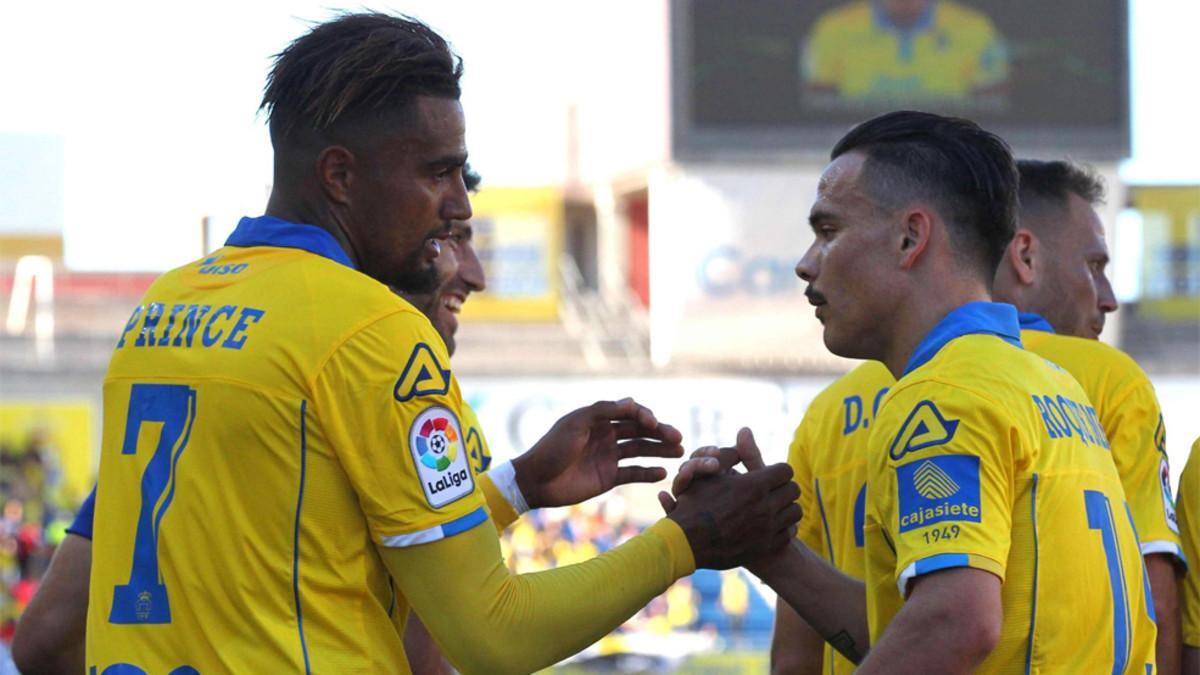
(388, 407)
(1189, 526)
(990, 53)
(488, 620)
(474, 440)
(1137, 438)
(941, 481)
(821, 54)
(800, 459)
(84, 517)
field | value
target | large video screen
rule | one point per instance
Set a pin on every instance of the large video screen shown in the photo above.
(762, 78)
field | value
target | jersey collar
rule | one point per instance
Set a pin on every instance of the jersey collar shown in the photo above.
(1031, 321)
(271, 231)
(985, 318)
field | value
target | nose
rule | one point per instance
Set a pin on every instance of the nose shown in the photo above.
(456, 204)
(809, 266)
(470, 270)
(1106, 300)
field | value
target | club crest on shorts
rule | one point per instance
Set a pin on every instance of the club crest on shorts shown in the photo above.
(436, 442)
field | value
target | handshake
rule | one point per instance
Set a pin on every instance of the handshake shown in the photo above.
(730, 518)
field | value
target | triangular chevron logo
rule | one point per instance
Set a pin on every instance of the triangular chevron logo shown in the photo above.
(933, 483)
(924, 428)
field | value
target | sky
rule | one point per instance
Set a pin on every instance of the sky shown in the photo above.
(152, 105)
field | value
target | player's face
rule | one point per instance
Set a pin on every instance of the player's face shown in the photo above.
(459, 274)
(850, 268)
(409, 189)
(1072, 291)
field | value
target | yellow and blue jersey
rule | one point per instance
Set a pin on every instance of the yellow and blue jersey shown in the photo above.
(987, 456)
(271, 418)
(948, 53)
(474, 442)
(829, 456)
(1189, 526)
(1129, 413)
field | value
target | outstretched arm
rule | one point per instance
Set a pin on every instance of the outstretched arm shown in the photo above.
(520, 623)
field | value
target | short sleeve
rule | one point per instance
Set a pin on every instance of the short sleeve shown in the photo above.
(388, 407)
(820, 54)
(1189, 526)
(943, 471)
(84, 517)
(475, 441)
(800, 459)
(991, 67)
(1137, 438)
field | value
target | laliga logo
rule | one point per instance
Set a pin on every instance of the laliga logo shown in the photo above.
(437, 443)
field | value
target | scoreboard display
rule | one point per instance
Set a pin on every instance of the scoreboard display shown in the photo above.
(780, 78)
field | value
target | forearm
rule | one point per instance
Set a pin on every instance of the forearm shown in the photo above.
(1161, 570)
(831, 603)
(523, 623)
(795, 646)
(949, 624)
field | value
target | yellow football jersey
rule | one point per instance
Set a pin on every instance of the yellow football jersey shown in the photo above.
(859, 52)
(987, 456)
(1129, 413)
(829, 456)
(1189, 524)
(474, 442)
(271, 417)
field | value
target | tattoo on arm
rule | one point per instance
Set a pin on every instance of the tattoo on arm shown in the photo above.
(845, 644)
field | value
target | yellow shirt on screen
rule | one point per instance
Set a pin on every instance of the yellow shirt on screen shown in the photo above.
(1189, 525)
(987, 456)
(950, 52)
(829, 457)
(1128, 411)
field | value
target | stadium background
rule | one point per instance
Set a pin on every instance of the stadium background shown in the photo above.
(624, 256)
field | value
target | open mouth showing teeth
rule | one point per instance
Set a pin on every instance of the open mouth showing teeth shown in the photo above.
(453, 303)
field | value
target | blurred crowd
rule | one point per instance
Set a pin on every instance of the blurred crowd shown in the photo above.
(33, 523)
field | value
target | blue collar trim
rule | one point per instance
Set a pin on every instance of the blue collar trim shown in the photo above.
(923, 22)
(1031, 321)
(985, 318)
(271, 231)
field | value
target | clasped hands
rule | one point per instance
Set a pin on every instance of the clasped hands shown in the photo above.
(730, 518)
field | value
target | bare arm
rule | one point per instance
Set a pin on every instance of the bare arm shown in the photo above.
(833, 604)
(50, 634)
(1162, 571)
(795, 646)
(950, 623)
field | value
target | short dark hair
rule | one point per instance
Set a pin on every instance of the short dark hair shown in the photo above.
(471, 178)
(355, 68)
(967, 172)
(1048, 186)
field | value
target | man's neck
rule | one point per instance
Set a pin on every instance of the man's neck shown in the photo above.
(914, 325)
(293, 210)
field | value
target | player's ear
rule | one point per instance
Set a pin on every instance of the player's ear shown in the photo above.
(916, 231)
(1019, 255)
(336, 170)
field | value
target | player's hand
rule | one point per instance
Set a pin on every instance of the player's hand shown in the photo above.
(710, 461)
(578, 458)
(733, 519)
